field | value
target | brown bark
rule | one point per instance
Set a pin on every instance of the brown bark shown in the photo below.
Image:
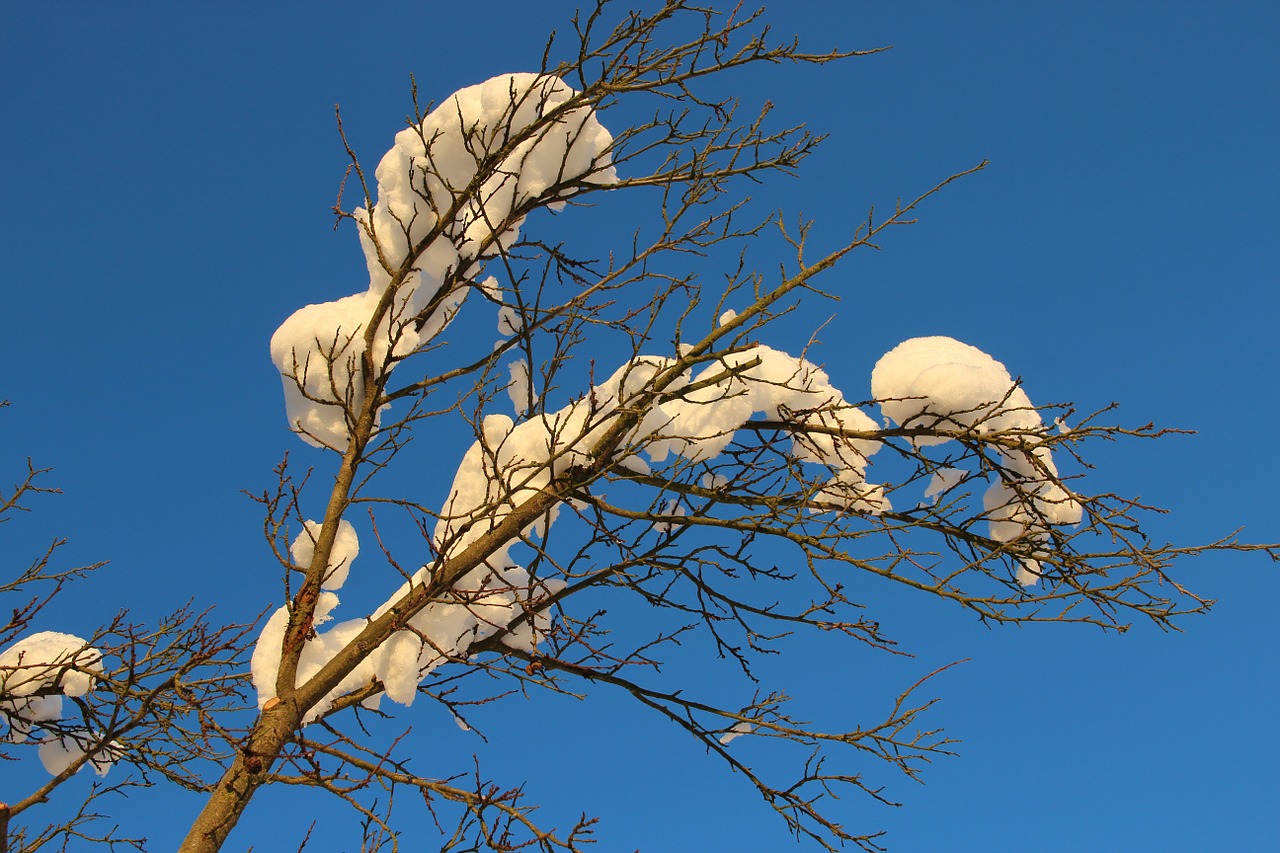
(247, 773)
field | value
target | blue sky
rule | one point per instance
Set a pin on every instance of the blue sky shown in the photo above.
(168, 176)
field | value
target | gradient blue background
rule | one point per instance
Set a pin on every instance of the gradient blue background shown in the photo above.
(167, 176)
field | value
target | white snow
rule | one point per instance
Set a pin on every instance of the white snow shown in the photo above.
(941, 383)
(318, 352)
(26, 713)
(943, 480)
(34, 665)
(673, 509)
(346, 547)
(49, 659)
(518, 388)
(713, 481)
(58, 753)
(702, 422)
(931, 382)
(509, 321)
(319, 650)
(1028, 572)
(737, 730)
(510, 463)
(423, 211)
(479, 606)
(421, 184)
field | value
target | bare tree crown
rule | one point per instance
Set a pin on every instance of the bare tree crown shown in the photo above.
(635, 434)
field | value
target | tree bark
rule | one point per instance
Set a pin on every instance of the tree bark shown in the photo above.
(247, 773)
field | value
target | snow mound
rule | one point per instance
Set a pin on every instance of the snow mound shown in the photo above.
(452, 191)
(939, 383)
(30, 670)
(346, 547)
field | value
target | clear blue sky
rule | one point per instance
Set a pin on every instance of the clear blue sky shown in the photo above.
(168, 172)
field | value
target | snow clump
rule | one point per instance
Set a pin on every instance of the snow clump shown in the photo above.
(57, 753)
(30, 670)
(939, 383)
(696, 420)
(781, 387)
(510, 463)
(478, 606)
(346, 547)
(535, 152)
(737, 730)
